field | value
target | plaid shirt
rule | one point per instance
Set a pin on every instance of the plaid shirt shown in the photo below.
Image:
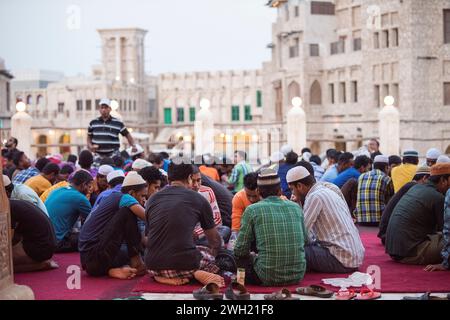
(374, 191)
(278, 228)
(446, 232)
(237, 175)
(24, 175)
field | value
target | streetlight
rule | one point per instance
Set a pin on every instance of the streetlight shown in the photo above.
(21, 106)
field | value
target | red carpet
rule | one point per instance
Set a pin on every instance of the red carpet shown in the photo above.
(52, 285)
(395, 278)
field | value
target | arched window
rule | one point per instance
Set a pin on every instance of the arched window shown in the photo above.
(29, 99)
(293, 90)
(64, 139)
(315, 93)
(39, 100)
(42, 142)
(447, 151)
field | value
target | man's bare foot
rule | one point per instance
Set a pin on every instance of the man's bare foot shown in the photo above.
(205, 277)
(124, 273)
(50, 264)
(172, 282)
(139, 265)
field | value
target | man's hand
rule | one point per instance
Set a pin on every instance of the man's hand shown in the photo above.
(93, 147)
(435, 267)
(134, 149)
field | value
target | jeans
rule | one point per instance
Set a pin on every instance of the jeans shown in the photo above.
(107, 253)
(320, 259)
(225, 234)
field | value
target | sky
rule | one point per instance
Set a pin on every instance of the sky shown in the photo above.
(183, 35)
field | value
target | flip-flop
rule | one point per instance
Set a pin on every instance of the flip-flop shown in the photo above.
(237, 291)
(345, 294)
(368, 294)
(209, 292)
(283, 294)
(315, 291)
(427, 296)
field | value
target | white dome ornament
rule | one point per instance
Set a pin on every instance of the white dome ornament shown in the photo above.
(296, 126)
(389, 127)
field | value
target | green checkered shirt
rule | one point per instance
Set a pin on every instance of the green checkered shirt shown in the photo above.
(278, 228)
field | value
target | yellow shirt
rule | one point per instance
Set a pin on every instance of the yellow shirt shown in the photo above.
(403, 174)
(39, 184)
(61, 184)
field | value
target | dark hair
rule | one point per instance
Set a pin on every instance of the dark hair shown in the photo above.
(86, 159)
(179, 170)
(269, 191)
(66, 169)
(361, 161)
(376, 141)
(16, 142)
(195, 169)
(411, 160)
(418, 177)
(133, 188)
(9, 189)
(308, 181)
(80, 177)
(155, 158)
(107, 161)
(242, 154)
(345, 157)
(41, 163)
(124, 154)
(306, 150)
(380, 166)
(164, 155)
(316, 160)
(291, 158)
(118, 161)
(330, 153)
(251, 181)
(308, 166)
(151, 174)
(72, 158)
(116, 181)
(436, 179)
(50, 168)
(17, 157)
(395, 160)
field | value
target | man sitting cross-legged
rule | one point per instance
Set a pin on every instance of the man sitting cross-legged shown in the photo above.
(34, 240)
(112, 224)
(66, 206)
(414, 231)
(277, 227)
(335, 245)
(172, 215)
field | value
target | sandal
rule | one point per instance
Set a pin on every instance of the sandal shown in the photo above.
(345, 294)
(368, 294)
(283, 294)
(208, 292)
(237, 291)
(315, 291)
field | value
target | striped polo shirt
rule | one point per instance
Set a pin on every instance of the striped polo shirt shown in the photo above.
(105, 134)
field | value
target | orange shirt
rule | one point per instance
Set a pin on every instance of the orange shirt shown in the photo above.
(210, 172)
(240, 203)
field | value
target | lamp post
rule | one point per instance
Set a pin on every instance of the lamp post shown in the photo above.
(389, 127)
(21, 128)
(296, 126)
(204, 129)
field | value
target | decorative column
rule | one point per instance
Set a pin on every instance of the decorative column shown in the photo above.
(389, 127)
(8, 290)
(21, 128)
(296, 126)
(204, 129)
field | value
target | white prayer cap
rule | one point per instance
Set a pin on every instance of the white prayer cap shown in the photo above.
(443, 159)
(139, 150)
(286, 149)
(381, 159)
(163, 172)
(140, 164)
(114, 174)
(6, 181)
(105, 169)
(296, 174)
(105, 101)
(433, 154)
(133, 179)
(306, 156)
(277, 156)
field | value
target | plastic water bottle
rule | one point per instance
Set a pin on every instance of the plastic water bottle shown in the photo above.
(232, 241)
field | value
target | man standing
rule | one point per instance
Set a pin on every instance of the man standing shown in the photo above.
(335, 245)
(277, 228)
(374, 148)
(404, 173)
(11, 144)
(103, 132)
(414, 231)
(374, 192)
(240, 170)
